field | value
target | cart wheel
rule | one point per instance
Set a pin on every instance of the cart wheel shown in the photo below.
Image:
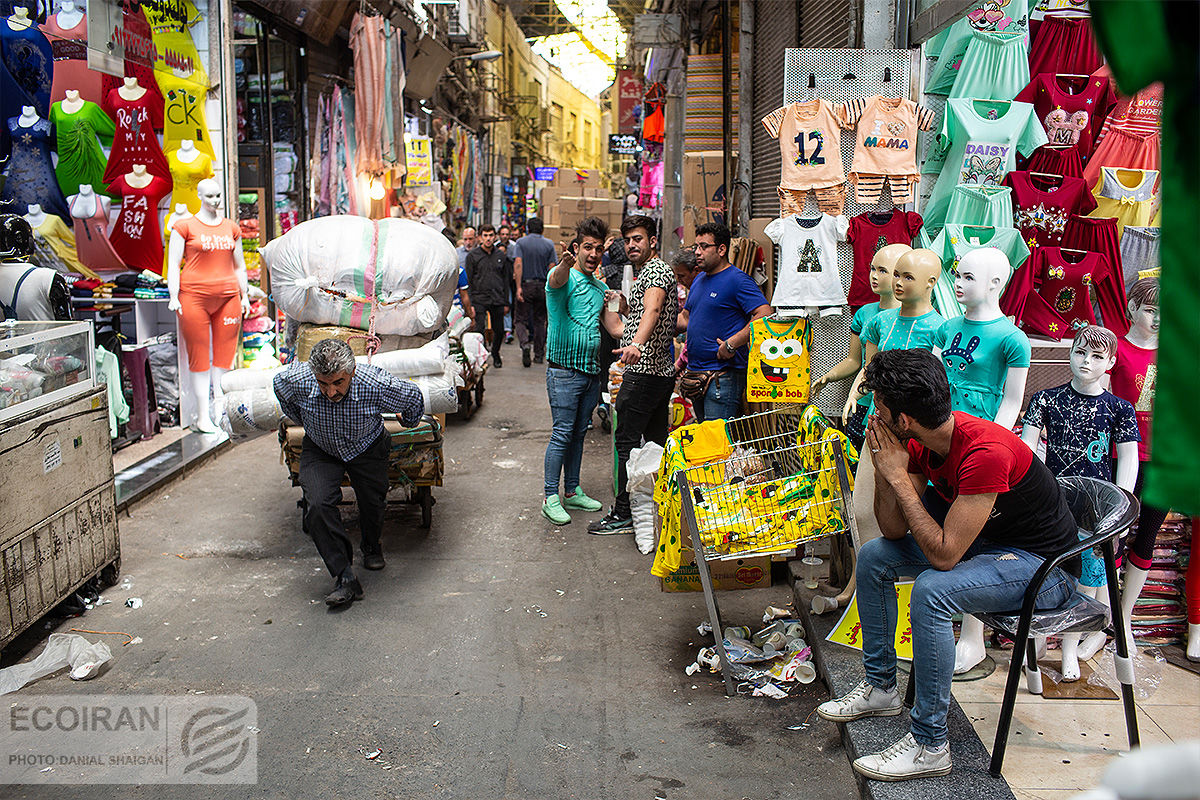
(479, 393)
(110, 573)
(425, 496)
(465, 405)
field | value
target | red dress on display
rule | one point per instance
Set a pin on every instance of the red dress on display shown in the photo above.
(135, 141)
(1049, 294)
(1042, 206)
(1072, 109)
(71, 71)
(869, 232)
(137, 237)
(92, 246)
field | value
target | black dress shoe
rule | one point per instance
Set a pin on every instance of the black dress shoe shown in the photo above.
(538, 359)
(373, 560)
(525, 356)
(344, 593)
(499, 364)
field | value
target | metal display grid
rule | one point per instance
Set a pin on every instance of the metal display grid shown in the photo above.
(840, 75)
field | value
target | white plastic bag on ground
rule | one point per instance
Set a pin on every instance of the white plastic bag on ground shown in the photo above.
(325, 270)
(641, 468)
(62, 650)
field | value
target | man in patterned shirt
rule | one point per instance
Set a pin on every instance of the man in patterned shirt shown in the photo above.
(339, 404)
(645, 349)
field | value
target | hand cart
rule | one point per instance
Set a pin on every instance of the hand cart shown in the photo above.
(470, 394)
(415, 463)
(784, 482)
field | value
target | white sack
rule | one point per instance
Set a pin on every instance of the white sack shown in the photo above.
(252, 410)
(475, 351)
(440, 392)
(416, 273)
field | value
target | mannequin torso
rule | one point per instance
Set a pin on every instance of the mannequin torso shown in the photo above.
(68, 15)
(72, 103)
(36, 216)
(131, 90)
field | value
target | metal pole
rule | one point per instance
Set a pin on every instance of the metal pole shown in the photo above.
(673, 111)
(727, 106)
(745, 121)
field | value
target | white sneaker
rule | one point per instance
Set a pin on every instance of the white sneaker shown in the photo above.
(863, 700)
(904, 760)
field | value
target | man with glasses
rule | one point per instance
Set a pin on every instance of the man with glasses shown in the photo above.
(722, 304)
(645, 349)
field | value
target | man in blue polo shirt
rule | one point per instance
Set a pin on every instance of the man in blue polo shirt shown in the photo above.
(722, 303)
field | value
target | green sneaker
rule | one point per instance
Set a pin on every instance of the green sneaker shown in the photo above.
(552, 510)
(581, 501)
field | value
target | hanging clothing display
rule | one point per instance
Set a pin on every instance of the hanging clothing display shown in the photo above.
(54, 235)
(1054, 159)
(1099, 235)
(995, 66)
(186, 176)
(978, 356)
(71, 71)
(133, 19)
(885, 145)
(807, 278)
(134, 141)
(810, 144)
(1072, 108)
(1139, 252)
(135, 237)
(1127, 195)
(28, 177)
(91, 234)
(1124, 148)
(978, 144)
(1051, 294)
(950, 46)
(183, 113)
(1042, 204)
(955, 241)
(1064, 44)
(79, 137)
(980, 205)
(869, 232)
(653, 120)
(651, 187)
(29, 59)
(367, 42)
(1141, 113)
(395, 81)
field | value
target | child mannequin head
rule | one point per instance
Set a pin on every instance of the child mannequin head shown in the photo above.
(982, 276)
(1093, 353)
(883, 264)
(1143, 309)
(914, 276)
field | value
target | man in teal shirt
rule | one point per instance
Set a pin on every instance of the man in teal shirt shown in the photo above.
(574, 299)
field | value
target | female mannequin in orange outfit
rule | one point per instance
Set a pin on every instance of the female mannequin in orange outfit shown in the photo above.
(206, 278)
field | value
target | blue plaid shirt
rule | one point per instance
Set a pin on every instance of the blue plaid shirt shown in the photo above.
(347, 428)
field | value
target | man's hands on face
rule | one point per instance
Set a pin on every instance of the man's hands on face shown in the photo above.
(888, 453)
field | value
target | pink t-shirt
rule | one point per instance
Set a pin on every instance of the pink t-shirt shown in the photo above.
(810, 144)
(886, 139)
(1133, 379)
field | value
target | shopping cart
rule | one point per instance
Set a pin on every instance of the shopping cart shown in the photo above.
(783, 481)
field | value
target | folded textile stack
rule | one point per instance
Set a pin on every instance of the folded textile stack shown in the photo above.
(1160, 614)
(93, 288)
(258, 334)
(141, 285)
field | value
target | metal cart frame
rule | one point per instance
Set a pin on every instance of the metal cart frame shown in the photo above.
(770, 450)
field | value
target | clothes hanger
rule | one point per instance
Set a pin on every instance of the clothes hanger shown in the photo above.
(1046, 174)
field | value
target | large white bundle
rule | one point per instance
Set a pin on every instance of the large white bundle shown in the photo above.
(440, 392)
(252, 410)
(244, 380)
(326, 270)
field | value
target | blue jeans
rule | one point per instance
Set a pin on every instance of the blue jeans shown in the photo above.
(573, 397)
(723, 398)
(989, 578)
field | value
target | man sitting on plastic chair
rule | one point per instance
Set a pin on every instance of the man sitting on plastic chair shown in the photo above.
(972, 542)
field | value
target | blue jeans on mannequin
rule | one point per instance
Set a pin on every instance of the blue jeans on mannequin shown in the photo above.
(723, 398)
(573, 396)
(989, 578)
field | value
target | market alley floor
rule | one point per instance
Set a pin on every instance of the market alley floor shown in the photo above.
(496, 656)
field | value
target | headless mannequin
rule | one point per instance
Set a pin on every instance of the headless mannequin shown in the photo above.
(19, 20)
(71, 102)
(1144, 334)
(913, 278)
(187, 152)
(880, 277)
(36, 216)
(1088, 368)
(83, 205)
(28, 117)
(209, 381)
(68, 15)
(180, 211)
(982, 276)
(138, 177)
(131, 90)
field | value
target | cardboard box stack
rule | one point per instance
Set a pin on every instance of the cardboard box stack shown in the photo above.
(703, 190)
(573, 196)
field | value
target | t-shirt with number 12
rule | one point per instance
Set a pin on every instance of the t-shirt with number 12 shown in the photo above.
(810, 143)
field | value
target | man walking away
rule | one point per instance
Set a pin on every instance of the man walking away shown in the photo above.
(535, 257)
(644, 401)
(722, 303)
(489, 273)
(339, 404)
(574, 299)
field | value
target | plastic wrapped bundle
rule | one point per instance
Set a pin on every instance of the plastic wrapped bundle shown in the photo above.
(327, 270)
(440, 392)
(308, 335)
(475, 351)
(252, 410)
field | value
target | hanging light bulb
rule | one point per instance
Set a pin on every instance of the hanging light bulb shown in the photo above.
(375, 188)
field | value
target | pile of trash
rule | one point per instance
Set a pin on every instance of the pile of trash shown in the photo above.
(764, 662)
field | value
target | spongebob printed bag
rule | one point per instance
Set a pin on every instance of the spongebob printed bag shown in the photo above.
(778, 370)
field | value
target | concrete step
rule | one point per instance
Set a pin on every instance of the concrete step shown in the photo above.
(841, 669)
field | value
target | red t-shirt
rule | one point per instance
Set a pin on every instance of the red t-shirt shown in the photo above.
(1031, 511)
(1133, 380)
(1071, 109)
(1042, 206)
(137, 236)
(869, 232)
